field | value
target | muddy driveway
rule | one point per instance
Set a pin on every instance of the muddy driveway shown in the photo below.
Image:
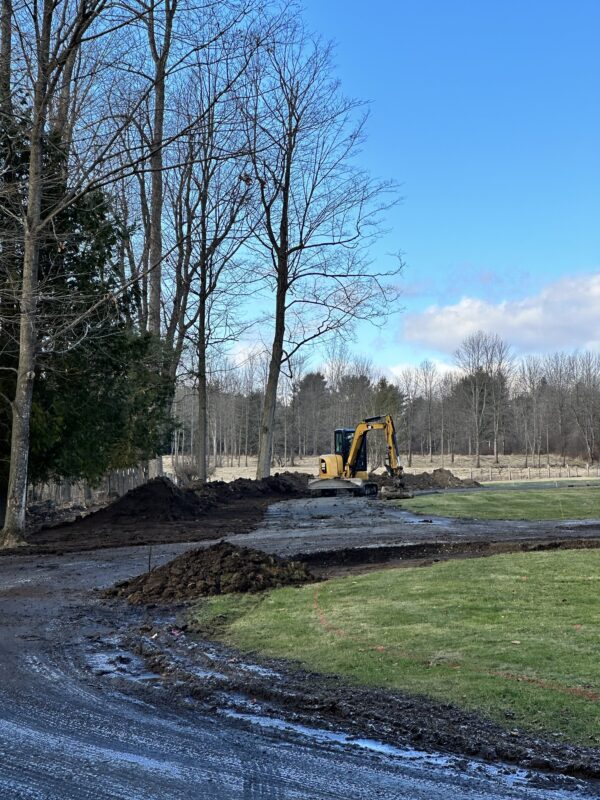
(72, 725)
(313, 526)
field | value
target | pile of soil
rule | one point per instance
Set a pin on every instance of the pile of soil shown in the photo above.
(161, 501)
(220, 569)
(159, 511)
(288, 484)
(438, 479)
(158, 499)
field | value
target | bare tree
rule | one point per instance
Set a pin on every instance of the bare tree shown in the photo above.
(408, 383)
(159, 19)
(529, 393)
(557, 369)
(473, 359)
(585, 399)
(212, 203)
(499, 364)
(318, 210)
(428, 381)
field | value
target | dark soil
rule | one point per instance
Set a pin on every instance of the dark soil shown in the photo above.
(286, 484)
(220, 569)
(348, 560)
(438, 479)
(159, 511)
(160, 500)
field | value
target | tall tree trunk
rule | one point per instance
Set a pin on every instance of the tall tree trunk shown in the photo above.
(156, 210)
(246, 430)
(16, 502)
(442, 432)
(202, 432)
(285, 436)
(156, 207)
(265, 443)
(160, 56)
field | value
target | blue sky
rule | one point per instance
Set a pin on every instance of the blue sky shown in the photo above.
(487, 114)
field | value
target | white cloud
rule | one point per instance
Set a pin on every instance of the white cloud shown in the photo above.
(442, 367)
(564, 315)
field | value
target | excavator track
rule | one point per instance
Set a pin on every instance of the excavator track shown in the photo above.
(343, 486)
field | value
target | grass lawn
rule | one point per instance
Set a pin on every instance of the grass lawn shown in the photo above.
(515, 636)
(512, 504)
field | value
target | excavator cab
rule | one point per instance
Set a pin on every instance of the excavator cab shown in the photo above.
(342, 439)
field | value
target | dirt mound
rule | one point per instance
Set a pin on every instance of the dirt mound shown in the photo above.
(220, 569)
(159, 500)
(285, 483)
(438, 479)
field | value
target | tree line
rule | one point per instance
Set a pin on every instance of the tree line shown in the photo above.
(172, 174)
(491, 403)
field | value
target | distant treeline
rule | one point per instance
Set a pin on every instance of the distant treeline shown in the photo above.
(492, 403)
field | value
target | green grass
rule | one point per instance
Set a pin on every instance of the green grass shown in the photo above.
(514, 636)
(535, 504)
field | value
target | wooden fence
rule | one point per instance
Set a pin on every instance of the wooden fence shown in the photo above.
(115, 484)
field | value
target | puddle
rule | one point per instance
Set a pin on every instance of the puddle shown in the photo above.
(264, 672)
(119, 663)
(200, 672)
(324, 736)
(415, 519)
(514, 777)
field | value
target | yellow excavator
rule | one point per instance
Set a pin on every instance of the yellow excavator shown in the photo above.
(345, 470)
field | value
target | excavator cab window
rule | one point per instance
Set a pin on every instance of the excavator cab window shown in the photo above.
(343, 443)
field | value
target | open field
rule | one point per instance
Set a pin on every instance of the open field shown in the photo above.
(118, 482)
(510, 468)
(514, 636)
(535, 504)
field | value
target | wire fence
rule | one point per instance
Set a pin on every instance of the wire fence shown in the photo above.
(505, 473)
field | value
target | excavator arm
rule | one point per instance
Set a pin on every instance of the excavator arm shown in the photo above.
(337, 475)
(375, 424)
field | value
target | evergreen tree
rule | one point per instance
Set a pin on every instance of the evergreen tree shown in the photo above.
(98, 403)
